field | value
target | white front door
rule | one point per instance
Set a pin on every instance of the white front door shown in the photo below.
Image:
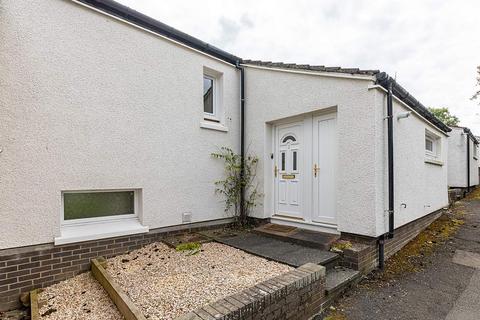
(324, 158)
(304, 170)
(288, 170)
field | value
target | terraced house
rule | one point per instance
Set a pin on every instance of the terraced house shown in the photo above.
(109, 119)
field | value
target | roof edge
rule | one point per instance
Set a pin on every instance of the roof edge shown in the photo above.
(385, 80)
(125, 13)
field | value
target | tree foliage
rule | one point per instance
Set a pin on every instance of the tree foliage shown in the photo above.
(445, 116)
(233, 183)
(476, 95)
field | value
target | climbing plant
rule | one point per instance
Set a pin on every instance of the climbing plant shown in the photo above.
(231, 186)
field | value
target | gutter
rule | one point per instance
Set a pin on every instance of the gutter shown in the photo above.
(384, 80)
(125, 13)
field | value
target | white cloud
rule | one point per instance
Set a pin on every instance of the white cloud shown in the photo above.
(432, 45)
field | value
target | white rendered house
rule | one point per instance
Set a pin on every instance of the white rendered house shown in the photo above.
(462, 158)
(108, 105)
(107, 108)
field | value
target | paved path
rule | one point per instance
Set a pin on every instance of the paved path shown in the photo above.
(292, 254)
(448, 288)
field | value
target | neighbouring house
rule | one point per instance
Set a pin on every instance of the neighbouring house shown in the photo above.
(109, 119)
(462, 158)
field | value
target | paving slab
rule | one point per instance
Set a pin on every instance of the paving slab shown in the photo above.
(339, 276)
(304, 237)
(281, 251)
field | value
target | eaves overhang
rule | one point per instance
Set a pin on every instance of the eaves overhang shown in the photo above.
(384, 80)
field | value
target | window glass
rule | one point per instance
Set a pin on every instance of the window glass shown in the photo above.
(428, 144)
(208, 95)
(294, 160)
(291, 138)
(283, 161)
(97, 204)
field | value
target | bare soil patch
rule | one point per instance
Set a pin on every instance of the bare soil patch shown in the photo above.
(165, 283)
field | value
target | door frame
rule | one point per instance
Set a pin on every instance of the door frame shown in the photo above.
(307, 221)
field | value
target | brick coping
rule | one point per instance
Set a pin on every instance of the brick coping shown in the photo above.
(297, 294)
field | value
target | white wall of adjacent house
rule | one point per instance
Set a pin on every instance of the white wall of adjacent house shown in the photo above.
(474, 161)
(457, 159)
(420, 175)
(278, 98)
(92, 103)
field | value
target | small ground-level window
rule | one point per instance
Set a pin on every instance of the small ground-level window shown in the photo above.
(97, 204)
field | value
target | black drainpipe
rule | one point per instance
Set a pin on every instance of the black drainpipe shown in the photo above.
(242, 135)
(391, 217)
(468, 162)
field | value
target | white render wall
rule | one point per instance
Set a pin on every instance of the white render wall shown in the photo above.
(273, 95)
(457, 160)
(88, 102)
(420, 186)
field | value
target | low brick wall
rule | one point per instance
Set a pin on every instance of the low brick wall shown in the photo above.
(39, 266)
(298, 294)
(363, 255)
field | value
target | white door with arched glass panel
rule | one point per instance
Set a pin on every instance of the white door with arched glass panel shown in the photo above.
(305, 170)
(288, 170)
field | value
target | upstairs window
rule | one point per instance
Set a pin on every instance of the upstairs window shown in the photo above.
(209, 98)
(432, 145)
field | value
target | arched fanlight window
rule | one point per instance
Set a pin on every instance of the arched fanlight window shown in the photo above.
(289, 137)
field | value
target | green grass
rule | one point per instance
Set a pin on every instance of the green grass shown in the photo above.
(188, 246)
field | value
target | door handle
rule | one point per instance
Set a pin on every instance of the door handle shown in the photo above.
(315, 170)
(275, 171)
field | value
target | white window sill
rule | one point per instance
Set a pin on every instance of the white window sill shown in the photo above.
(99, 230)
(213, 126)
(435, 162)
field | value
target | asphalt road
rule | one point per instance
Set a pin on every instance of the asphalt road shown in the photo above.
(448, 287)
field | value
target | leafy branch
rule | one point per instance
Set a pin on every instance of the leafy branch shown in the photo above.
(234, 182)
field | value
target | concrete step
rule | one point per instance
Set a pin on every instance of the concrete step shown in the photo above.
(285, 252)
(339, 279)
(309, 238)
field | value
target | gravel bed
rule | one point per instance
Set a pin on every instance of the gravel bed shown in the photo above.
(165, 283)
(81, 297)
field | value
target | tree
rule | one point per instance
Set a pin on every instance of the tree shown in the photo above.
(445, 116)
(476, 95)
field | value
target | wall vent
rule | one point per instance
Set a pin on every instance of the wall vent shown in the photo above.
(186, 217)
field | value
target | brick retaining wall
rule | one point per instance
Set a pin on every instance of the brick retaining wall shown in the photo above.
(23, 269)
(363, 255)
(298, 294)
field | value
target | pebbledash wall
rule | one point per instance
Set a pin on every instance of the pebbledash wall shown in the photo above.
(457, 159)
(361, 171)
(420, 180)
(88, 103)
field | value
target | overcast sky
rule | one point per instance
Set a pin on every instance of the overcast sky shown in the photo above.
(432, 46)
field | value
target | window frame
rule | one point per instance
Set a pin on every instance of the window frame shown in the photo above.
(427, 151)
(214, 116)
(70, 222)
(435, 153)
